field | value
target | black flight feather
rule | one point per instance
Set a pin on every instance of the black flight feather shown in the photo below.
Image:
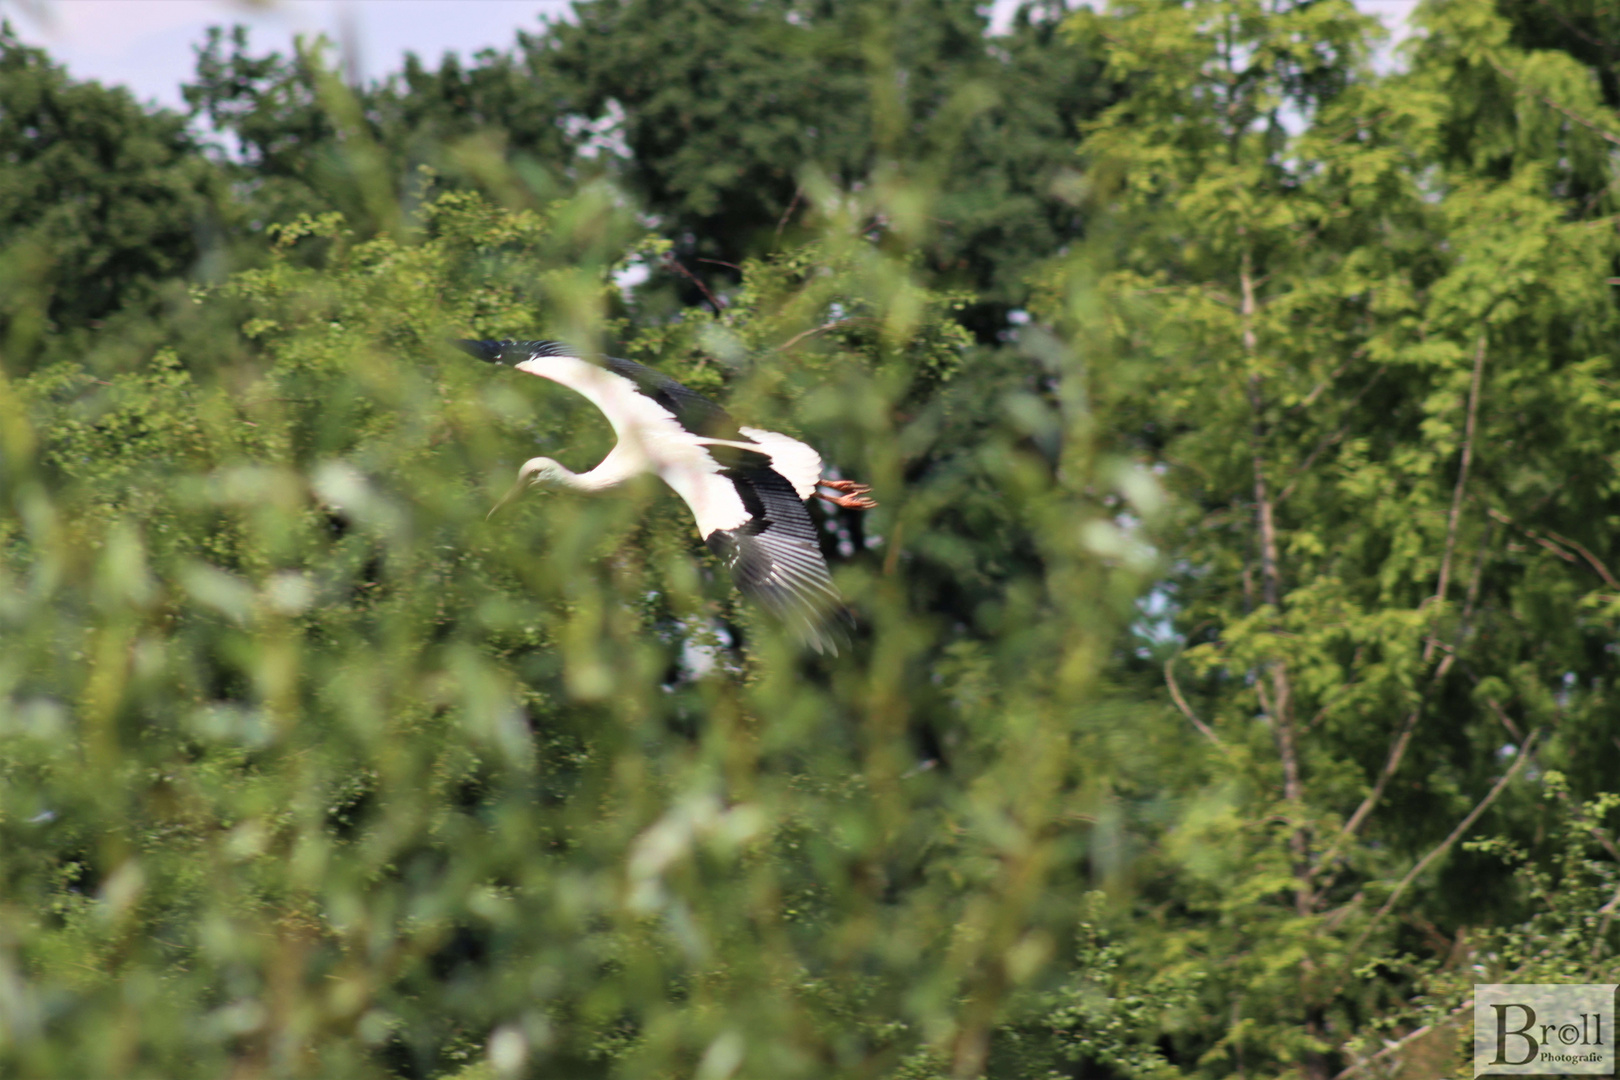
(775, 558)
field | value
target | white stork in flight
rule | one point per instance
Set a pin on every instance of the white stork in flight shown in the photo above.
(747, 488)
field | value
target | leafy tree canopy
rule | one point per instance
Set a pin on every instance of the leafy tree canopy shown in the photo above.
(390, 778)
(103, 203)
(715, 117)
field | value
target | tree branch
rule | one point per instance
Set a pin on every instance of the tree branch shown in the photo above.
(1462, 481)
(1552, 539)
(1568, 114)
(824, 328)
(1397, 750)
(1404, 1039)
(1186, 710)
(1597, 833)
(1512, 728)
(1603, 43)
(798, 193)
(1331, 440)
(675, 264)
(1316, 391)
(1445, 845)
(1281, 706)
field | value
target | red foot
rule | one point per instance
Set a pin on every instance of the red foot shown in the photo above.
(854, 497)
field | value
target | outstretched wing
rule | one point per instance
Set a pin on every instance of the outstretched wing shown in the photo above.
(691, 410)
(774, 557)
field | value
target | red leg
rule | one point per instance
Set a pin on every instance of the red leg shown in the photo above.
(853, 497)
(849, 502)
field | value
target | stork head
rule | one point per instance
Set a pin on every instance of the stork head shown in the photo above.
(543, 472)
(535, 473)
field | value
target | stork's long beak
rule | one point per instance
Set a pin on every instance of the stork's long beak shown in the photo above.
(512, 496)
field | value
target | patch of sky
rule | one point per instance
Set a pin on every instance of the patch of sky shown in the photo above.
(631, 274)
(703, 645)
(1155, 624)
(600, 135)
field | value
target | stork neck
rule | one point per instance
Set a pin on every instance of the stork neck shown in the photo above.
(610, 473)
(594, 480)
(617, 468)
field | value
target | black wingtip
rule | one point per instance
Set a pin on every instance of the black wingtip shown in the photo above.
(829, 630)
(513, 352)
(484, 350)
(826, 639)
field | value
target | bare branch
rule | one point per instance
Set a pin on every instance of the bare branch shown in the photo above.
(1592, 560)
(1266, 523)
(1512, 728)
(1471, 598)
(1336, 916)
(822, 329)
(1597, 833)
(1402, 1042)
(1568, 113)
(1316, 391)
(675, 264)
(1403, 740)
(1281, 705)
(798, 193)
(1462, 478)
(1567, 556)
(1186, 710)
(1603, 43)
(1397, 752)
(1445, 845)
(1551, 541)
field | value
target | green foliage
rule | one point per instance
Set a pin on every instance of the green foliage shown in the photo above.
(728, 111)
(303, 142)
(720, 119)
(105, 207)
(312, 770)
(1370, 355)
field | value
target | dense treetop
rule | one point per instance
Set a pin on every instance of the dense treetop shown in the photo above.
(102, 202)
